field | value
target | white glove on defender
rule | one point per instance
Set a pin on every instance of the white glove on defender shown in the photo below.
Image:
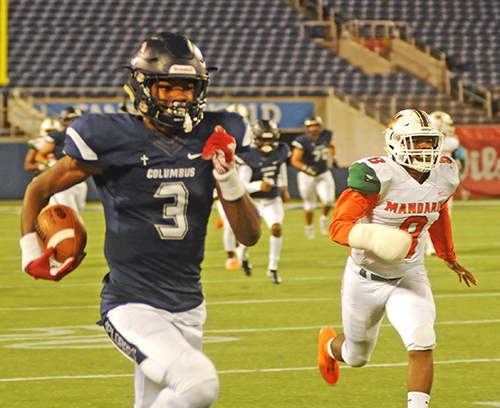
(387, 243)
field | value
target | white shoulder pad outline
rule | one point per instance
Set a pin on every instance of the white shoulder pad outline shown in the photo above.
(86, 152)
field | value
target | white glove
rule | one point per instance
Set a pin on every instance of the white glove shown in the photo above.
(387, 243)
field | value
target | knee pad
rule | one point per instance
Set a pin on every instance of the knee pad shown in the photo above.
(309, 204)
(203, 395)
(422, 338)
(356, 354)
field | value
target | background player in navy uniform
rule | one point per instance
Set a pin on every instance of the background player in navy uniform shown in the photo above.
(312, 154)
(156, 173)
(228, 238)
(74, 197)
(263, 170)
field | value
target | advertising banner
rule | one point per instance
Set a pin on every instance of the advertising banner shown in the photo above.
(481, 175)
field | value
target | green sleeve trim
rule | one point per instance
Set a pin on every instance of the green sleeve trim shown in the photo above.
(363, 179)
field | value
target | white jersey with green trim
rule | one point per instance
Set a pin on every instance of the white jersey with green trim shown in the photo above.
(404, 203)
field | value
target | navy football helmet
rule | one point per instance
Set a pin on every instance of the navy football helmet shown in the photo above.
(266, 131)
(161, 58)
(69, 113)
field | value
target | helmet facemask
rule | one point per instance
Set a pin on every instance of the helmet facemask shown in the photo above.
(400, 141)
(266, 135)
(165, 57)
(178, 114)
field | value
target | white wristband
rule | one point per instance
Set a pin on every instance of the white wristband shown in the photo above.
(30, 249)
(387, 243)
(231, 186)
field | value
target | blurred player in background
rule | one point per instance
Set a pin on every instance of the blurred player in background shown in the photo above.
(35, 145)
(155, 173)
(264, 172)
(451, 148)
(228, 238)
(396, 199)
(76, 196)
(312, 154)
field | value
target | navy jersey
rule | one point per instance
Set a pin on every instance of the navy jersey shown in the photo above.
(315, 151)
(265, 167)
(157, 195)
(58, 138)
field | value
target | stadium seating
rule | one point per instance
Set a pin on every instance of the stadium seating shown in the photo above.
(64, 44)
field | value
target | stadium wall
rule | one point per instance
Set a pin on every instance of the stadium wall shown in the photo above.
(14, 179)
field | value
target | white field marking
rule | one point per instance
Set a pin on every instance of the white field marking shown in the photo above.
(70, 337)
(242, 302)
(490, 404)
(263, 370)
(105, 270)
(87, 337)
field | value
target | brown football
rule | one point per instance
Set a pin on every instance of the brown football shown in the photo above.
(61, 227)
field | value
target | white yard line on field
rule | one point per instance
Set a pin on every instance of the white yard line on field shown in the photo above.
(242, 302)
(263, 370)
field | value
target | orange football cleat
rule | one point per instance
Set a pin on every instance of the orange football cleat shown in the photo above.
(328, 366)
(232, 264)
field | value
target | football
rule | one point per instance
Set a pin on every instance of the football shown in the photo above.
(61, 227)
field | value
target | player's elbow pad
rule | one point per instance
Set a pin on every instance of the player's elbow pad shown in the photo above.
(387, 243)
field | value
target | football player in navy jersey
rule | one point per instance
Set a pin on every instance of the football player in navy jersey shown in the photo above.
(263, 170)
(312, 154)
(156, 173)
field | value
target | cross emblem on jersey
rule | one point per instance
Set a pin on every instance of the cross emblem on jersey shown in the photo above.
(144, 159)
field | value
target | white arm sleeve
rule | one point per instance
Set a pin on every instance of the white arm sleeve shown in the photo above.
(387, 243)
(245, 173)
(282, 176)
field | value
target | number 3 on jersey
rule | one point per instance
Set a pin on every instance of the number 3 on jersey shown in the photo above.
(174, 210)
(413, 226)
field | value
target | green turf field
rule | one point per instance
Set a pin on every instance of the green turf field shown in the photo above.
(262, 337)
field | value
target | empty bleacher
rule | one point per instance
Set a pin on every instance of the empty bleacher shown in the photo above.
(75, 47)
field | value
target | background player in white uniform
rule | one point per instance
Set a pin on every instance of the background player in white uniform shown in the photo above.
(263, 170)
(228, 238)
(36, 144)
(155, 173)
(313, 153)
(74, 197)
(451, 147)
(397, 199)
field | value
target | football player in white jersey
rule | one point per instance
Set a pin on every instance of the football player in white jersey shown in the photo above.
(396, 199)
(452, 148)
(74, 197)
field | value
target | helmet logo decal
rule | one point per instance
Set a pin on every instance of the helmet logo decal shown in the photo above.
(394, 120)
(135, 60)
(424, 120)
(182, 69)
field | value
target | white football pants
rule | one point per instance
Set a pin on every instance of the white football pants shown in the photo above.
(310, 187)
(172, 372)
(407, 302)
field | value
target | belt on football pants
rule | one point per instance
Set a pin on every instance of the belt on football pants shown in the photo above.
(373, 277)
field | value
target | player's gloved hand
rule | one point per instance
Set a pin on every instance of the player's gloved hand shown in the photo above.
(387, 243)
(42, 265)
(220, 147)
(310, 170)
